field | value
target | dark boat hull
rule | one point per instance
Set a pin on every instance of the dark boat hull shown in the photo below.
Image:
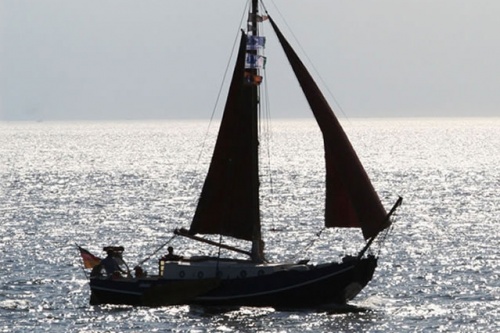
(321, 285)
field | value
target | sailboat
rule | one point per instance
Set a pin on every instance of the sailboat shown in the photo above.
(229, 206)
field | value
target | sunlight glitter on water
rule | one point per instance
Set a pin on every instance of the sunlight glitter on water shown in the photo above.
(130, 184)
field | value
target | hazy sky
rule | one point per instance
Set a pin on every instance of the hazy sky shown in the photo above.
(134, 59)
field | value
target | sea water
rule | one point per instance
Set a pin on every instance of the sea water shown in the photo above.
(132, 183)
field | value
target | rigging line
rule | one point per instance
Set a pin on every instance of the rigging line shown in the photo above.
(264, 6)
(317, 73)
(266, 123)
(266, 130)
(381, 241)
(222, 84)
(156, 251)
(268, 133)
(337, 104)
(224, 77)
(311, 243)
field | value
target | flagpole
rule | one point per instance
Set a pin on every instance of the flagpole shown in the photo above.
(82, 267)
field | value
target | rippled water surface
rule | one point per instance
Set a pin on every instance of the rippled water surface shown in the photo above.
(131, 184)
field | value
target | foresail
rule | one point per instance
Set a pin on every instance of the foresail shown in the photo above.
(351, 200)
(229, 202)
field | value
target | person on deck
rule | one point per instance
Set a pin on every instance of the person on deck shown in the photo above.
(139, 272)
(171, 256)
(110, 264)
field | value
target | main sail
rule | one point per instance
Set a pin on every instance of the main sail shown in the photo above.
(351, 200)
(229, 201)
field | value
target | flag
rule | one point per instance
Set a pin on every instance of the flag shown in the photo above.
(252, 79)
(89, 260)
(259, 18)
(255, 61)
(256, 42)
(262, 18)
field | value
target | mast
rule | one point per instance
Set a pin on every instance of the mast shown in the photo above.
(257, 244)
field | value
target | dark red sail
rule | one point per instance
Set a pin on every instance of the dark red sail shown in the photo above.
(229, 201)
(351, 200)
